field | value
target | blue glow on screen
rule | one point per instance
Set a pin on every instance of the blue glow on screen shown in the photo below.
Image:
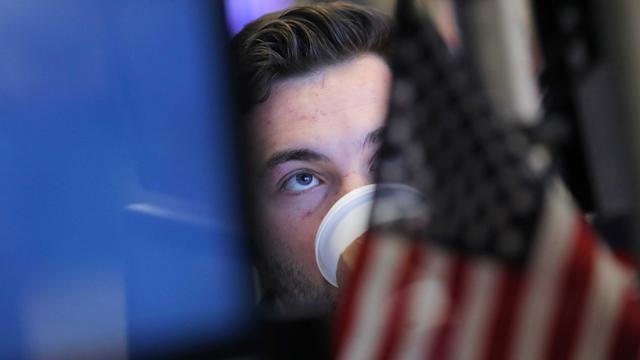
(120, 222)
(241, 12)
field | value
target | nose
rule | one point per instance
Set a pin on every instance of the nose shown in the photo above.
(354, 180)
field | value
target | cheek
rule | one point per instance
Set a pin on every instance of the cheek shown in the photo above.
(290, 237)
(303, 207)
(293, 224)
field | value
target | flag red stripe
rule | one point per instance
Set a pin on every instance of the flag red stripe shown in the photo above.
(574, 287)
(397, 315)
(456, 288)
(509, 298)
(625, 343)
(552, 250)
(346, 313)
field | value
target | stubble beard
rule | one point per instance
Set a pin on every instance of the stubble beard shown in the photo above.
(293, 289)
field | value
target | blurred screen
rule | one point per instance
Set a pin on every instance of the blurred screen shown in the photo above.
(120, 216)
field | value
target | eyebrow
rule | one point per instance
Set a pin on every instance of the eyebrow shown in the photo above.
(373, 138)
(280, 157)
(293, 154)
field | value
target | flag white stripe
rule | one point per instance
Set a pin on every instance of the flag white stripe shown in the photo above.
(603, 306)
(469, 338)
(428, 300)
(555, 240)
(371, 307)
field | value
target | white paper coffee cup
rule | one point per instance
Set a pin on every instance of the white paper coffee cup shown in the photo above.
(350, 217)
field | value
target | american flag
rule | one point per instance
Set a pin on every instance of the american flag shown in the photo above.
(506, 267)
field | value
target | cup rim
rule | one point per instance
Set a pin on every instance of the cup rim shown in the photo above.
(347, 203)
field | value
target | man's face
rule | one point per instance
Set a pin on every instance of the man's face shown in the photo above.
(317, 136)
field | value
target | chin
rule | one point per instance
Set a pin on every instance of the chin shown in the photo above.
(306, 298)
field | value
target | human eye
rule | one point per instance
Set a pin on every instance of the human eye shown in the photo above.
(300, 182)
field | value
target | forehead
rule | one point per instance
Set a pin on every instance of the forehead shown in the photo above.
(338, 101)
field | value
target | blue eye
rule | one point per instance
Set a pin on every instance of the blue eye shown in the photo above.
(300, 182)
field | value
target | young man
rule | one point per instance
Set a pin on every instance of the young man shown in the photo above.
(317, 84)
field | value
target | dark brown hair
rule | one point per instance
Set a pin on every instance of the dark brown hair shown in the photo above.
(302, 39)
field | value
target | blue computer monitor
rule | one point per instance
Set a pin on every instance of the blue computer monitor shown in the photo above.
(120, 216)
